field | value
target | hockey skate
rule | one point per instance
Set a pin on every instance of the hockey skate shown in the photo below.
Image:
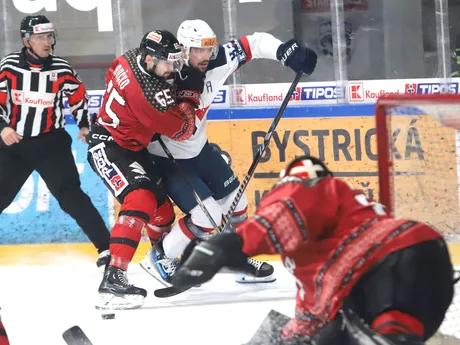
(116, 293)
(256, 272)
(103, 260)
(158, 265)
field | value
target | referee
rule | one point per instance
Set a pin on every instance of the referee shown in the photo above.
(32, 85)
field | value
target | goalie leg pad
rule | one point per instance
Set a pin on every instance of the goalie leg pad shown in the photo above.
(394, 321)
(360, 334)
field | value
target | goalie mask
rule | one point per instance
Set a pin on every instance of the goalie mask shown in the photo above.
(306, 167)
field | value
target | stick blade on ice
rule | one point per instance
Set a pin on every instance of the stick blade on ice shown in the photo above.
(170, 291)
(76, 336)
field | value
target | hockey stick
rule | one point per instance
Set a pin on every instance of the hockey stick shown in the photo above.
(184, 176)
(76, 336)
(260, 152)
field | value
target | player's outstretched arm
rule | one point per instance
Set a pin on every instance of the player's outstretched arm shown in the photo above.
(292, 53)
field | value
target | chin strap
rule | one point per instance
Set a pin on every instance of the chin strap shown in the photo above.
(34, 58)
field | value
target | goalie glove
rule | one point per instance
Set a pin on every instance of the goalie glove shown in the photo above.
(203, 259)
(298, 57)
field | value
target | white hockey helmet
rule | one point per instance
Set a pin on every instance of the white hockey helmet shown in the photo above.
(197, 33)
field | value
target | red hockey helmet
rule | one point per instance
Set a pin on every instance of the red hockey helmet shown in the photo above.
(306, 167)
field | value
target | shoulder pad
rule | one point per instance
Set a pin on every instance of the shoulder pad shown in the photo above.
(151, 86)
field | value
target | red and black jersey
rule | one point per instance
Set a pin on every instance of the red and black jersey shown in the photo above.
(3, 336)
(137, 105)
(31, 96)
(328, 234)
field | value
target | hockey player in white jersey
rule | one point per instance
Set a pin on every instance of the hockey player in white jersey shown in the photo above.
(206, 170)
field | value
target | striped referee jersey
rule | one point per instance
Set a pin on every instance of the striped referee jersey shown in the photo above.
(31, 96)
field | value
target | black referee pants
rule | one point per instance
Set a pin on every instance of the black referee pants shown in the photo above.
(51, 156)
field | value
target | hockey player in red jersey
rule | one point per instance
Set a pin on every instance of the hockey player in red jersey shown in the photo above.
(142, 100)
(351, 262)
(3, 336)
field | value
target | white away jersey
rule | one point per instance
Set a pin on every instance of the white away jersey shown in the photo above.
(230, 57)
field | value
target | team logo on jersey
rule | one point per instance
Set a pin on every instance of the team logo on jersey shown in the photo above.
(237, 51)
(53, 76)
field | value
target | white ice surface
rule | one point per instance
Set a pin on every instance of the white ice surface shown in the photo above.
(40, 302)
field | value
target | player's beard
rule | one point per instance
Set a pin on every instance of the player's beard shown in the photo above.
(202, 66)
(166, 75)
(152, 72)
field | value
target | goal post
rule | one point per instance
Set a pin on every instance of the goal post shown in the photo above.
(418, 149)
(418, 158)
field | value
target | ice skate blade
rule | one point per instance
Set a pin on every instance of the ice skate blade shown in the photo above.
(151, 270)
(108, 301)
(248, 279)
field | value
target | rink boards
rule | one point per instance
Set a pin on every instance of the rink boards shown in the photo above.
(34, 228)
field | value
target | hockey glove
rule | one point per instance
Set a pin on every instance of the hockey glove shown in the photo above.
(296, 56)
(189, 85)
(202, 260)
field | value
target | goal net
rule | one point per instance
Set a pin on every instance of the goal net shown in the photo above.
(419, 162)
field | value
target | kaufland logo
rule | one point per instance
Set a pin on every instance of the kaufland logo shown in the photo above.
(356, 92)
(18, 97)
(238, 95)
(264, 98)
(360, 94)
(430, 88)
(33, 99)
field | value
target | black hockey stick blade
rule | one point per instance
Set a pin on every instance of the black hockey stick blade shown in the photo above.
(76, 336)
(170, 291)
